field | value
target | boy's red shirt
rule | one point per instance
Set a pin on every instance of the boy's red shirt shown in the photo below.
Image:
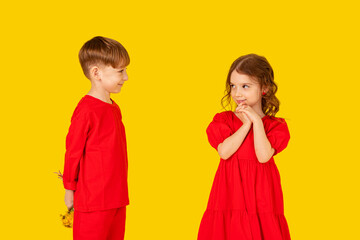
(96, 163)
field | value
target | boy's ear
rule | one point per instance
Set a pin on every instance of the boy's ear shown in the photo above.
(95, 72)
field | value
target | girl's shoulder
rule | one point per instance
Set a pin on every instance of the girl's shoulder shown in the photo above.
(276, 119)
(271, 123)
(226, 116)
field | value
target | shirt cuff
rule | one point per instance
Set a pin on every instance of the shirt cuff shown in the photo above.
(70, 185)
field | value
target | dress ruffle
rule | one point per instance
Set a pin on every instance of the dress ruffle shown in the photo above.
(240, 225)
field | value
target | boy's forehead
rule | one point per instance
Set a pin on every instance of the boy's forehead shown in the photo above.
(110, 67)
(121, 66)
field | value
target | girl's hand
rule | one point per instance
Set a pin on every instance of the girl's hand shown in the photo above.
(242, 116)
(249, 112)
(69, 198)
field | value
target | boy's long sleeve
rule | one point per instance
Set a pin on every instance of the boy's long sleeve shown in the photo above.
(75, 144)
(96, 156)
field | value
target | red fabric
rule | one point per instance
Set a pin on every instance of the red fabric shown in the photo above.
(96, 163)
(100, 225)
(246, 200)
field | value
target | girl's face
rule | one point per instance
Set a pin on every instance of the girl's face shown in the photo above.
(245, 89)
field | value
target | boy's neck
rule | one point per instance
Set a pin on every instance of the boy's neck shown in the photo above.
(102, 95)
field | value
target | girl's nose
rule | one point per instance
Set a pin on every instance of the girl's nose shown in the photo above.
(238, 93)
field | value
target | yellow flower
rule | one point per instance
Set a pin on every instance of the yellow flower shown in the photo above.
(68, 218)
(59, 174)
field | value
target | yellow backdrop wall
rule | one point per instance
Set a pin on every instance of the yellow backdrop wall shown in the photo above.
(180, 54)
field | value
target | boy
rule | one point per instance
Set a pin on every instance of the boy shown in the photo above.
(95, 170)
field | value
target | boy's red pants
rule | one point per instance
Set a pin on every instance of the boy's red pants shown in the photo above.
(100, 225)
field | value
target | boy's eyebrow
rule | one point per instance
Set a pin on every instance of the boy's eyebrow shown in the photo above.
(242, 83)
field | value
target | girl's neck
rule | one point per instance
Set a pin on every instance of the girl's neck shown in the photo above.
(258, 109)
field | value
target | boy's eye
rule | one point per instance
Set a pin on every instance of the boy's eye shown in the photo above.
(245, 86)
(122, 70)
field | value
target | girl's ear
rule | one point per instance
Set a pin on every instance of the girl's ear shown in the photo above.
(265, 89)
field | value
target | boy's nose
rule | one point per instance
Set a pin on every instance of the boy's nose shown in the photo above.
(125, 78)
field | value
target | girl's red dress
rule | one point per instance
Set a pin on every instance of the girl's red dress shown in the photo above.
(246, 200)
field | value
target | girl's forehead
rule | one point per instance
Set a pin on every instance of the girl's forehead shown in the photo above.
(240, 78)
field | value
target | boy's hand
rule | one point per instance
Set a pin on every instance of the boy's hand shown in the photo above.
(69, 198)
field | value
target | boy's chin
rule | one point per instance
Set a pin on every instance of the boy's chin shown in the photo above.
(116, 91)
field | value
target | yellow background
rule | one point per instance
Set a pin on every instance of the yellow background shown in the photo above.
(180, 54)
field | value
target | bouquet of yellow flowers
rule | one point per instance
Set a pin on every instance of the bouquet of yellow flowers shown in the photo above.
(67, 218)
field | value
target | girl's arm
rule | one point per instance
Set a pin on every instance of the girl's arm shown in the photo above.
(231, 144)
(263, 148)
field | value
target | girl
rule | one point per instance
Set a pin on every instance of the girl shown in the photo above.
(246, 200)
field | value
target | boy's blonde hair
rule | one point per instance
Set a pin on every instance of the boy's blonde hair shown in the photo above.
(103, 51)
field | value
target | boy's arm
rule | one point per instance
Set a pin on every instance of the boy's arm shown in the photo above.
(75, 144)
(69, 198)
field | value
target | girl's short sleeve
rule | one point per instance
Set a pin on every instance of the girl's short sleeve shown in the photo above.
(278, 135)
(218, 130)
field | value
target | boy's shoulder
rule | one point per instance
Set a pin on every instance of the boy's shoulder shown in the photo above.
(82, 109)
(91, 105)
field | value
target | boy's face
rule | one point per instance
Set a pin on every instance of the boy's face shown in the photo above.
(112, 79)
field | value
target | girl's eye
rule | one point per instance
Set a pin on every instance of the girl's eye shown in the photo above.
(245, 86)
(232, 85)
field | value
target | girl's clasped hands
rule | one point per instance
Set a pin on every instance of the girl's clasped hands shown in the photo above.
(246, 114)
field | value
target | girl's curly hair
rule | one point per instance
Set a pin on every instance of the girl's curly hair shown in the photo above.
(259, 68)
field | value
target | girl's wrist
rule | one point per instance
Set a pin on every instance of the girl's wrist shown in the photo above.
(247, 124)
(258, 121)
